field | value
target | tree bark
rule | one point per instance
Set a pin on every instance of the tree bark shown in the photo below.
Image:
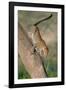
(32, 62)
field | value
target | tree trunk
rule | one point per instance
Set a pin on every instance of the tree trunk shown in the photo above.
(32, 62)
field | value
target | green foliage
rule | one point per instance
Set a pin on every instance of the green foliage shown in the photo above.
(51, 67)
(22, 73)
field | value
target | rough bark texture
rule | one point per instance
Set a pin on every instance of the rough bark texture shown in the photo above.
(32, 62)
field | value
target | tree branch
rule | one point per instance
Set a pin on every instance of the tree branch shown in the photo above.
(32, 62)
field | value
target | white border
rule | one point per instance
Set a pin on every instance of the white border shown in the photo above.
(55, 79)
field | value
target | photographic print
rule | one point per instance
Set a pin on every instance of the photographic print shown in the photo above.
(36, 44)
(43, 41)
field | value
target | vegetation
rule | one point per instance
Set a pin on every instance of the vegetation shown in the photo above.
(22, 73)
(51, 68)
